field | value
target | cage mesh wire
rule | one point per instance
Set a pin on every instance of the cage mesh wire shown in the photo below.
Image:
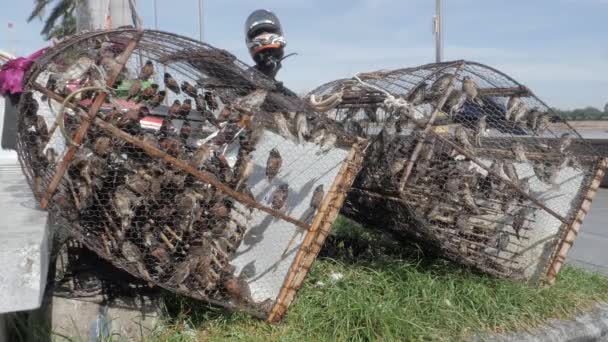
(466, 160)
(151, 164)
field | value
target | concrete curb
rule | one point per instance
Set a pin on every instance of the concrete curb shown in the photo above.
(590, 326)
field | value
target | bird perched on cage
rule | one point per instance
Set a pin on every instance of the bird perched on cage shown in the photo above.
(210, 100)
(463, 223)
(302, 127)
(328, 143)
(317, 197)
(157, 99)
(279, 197)
(480, 131)
(418, 95)
(519, 113)
(469, 86)
(189, 89)
(510, 171)
(185, 108)
(134, 89)
(245, 166)
(533, 118)
(146, 71)
(564, 142)
(463, 139)
(441, 84)
(149, 92)
(273, 164)
(175, 108)
(171, 83)
(543, 124)
(123, 202)
(502, 242)
(519, 152)
(282, 126)
(455, 102)
(469, 200)
(519, 221)
(512, 104)
(372, 113)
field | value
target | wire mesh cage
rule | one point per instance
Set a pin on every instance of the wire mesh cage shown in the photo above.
(184, 167)
(469, 162)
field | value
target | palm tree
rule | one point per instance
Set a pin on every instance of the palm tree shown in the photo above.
(62, 10)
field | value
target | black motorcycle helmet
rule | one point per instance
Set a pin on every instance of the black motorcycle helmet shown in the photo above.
(265, 41)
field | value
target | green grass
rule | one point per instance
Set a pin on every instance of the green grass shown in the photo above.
(391, 293)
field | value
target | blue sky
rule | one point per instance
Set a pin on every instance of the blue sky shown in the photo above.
(559, 48)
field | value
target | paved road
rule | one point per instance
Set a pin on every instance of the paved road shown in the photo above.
(590, 249)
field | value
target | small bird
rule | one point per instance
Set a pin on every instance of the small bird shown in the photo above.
(189, 89)
(157, 99)
(328, 143)
(210, 101)
(565, 141)
(172, 146)
(273, 164)
(146, 71)
(279, 197)
(462, 138)
(317, 197)
(469, 200)
(245, 169)
(51, 155)
(519, 152)
(510, 202)
(282, 127)
(418, 94)
(175, 108)
(519, 113)
(540, 170)
(510, 171)
(131, 252)
(397, 165)
(185, 131)
(123, 202)
(372, 113)
(441, 84)
(518, 223)
(469, 86)
(302, 127)
(185, 108)
(149, 92)
(181, 273)
(481, 129)
(171, 83)
(512, 104)
(318, 136)
(543, 124)
(134, 89)
(102, 146)
(533, 119)
(502, 242)
(455, 101)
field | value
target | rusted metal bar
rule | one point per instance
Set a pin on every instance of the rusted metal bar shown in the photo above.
(320, 227)
(571, 233)
(519, 91)
(85, 125)
(503, 179)
(407, 170)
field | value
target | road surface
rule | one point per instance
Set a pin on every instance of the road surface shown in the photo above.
(590, 249)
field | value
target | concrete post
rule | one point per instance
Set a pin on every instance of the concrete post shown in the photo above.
(93, 14)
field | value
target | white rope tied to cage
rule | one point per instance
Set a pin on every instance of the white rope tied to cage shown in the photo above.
(328, 104)
(392, 103)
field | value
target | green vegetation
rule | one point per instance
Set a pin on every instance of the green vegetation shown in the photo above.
(587, 113)
(60, 22)
(388, 292)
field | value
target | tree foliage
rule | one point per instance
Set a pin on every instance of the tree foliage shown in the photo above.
(60, 21)
(587, 113)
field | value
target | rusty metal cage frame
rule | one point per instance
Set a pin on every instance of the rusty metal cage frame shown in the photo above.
(350, 101)
(187, 57)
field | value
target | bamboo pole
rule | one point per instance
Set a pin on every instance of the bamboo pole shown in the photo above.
(407, 170)
(571, 233)
(507, 181)
(85, 125)
(320, 227)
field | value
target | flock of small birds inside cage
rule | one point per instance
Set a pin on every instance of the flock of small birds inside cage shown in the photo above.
(471, 156)
(143, 145)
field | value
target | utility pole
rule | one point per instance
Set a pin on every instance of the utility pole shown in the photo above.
(438, 30)
(100, 15)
